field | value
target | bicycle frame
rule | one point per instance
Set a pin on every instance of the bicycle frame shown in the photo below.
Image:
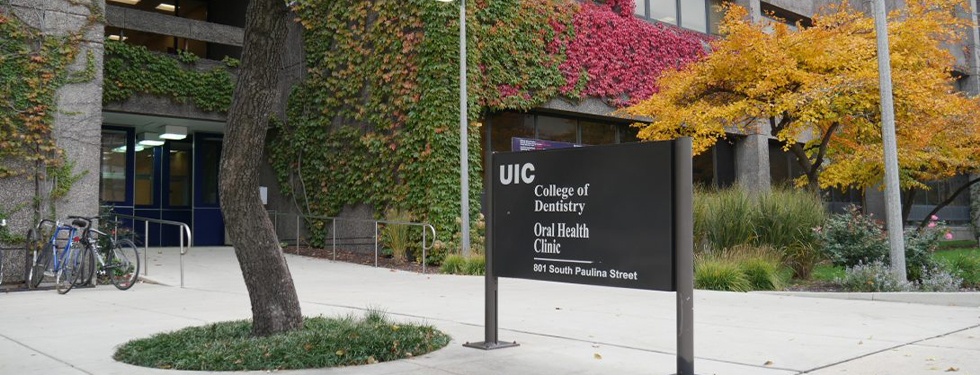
(57, 262)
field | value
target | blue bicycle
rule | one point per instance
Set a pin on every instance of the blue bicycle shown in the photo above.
(56, 257)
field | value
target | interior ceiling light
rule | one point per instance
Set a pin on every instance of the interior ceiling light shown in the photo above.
(128, 2)
(150, 139)
(166, 7)
(174, 132)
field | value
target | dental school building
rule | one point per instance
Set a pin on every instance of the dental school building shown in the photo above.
(370, 103)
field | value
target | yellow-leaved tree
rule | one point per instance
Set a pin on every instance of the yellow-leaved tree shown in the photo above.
(816, 90)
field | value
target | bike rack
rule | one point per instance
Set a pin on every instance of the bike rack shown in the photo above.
(186, 230)
(426, 228)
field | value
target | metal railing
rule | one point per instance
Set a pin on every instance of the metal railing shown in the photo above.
(332, 232)
(185, 230)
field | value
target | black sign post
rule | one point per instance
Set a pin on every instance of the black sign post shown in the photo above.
(618, 215)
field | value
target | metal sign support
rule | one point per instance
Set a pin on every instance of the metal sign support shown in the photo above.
(684, 254)
(490, 341)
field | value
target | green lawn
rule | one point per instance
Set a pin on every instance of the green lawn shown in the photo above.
(948, 255)
(965, 263)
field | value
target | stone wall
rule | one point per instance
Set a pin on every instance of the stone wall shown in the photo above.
(77, 122)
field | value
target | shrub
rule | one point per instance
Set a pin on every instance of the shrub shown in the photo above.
(457, 264)
(715, 273)
(475, 265)
(396, 236)
(919, 246)
(453, 264)
(724, 217)
(939, 279)
(850, 239)
(786, 218)
(762, 267)
(873, 277)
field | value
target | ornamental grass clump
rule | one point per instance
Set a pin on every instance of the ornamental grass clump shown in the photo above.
(740, 269)
(715, 273)
(723, 218)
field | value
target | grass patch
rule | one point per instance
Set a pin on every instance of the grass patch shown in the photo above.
(962, 263)
(828, 272)
(323, 342)
(957, 244)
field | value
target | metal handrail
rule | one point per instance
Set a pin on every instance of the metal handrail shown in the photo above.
(146, 238)
(426, 228)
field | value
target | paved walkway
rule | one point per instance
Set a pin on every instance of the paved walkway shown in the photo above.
(562, 328)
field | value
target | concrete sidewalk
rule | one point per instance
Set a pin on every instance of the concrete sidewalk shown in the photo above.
(562, 328)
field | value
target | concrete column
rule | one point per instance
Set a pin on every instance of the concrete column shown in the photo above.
(77, 119)
(752, 161)
(975, 205)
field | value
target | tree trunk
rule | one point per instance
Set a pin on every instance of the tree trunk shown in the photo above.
(948, 200)
(275, 306)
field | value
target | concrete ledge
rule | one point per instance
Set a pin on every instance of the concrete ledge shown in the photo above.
(963, 299)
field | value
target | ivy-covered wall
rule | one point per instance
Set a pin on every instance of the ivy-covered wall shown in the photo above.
(50, 114)
(132, 69)
(376, 120)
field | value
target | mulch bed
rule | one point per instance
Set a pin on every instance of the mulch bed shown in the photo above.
(364, 258)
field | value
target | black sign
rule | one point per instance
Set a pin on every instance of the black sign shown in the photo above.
(599, 215)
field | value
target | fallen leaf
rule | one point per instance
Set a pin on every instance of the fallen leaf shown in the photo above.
(597, 356)
(768, 363)
(952, 369)
(340, 352)
(371, 360)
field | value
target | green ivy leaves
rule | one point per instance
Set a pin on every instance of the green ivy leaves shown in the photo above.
(131, 69)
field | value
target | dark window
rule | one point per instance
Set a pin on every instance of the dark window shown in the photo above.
(557, 129)
(598, 133)
(113, 183)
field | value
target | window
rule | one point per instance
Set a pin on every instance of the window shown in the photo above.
(557, 129)
(209, 153)
(694, 15)
(145, 176)
(663, 11)
(114, 151)
(698, 15)
(597, 133)
(180, 174)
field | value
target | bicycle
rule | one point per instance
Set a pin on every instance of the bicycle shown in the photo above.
(118, 261)
(56, 257)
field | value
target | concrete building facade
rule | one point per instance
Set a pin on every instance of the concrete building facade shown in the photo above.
(177, 178)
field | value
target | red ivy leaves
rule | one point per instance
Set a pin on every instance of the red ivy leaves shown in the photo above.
(621, 56)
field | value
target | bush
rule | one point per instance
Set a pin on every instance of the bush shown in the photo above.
(396, 237)
(939, 279)
(453, 264)
(457, 264)
(724, 217)
(475, 265)
(714, 273)
(873, 277)
(785, 219)
(741, 268)
(851, 239)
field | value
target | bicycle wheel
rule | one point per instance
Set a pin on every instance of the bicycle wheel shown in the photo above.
(86, 269)
(41, 264)
(67, 275)
(122, 264)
